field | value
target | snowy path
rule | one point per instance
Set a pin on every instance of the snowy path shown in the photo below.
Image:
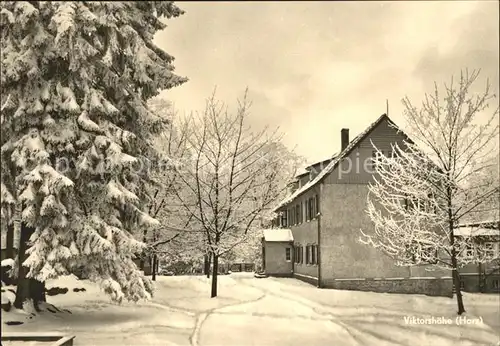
(352, 324)
(253, 311)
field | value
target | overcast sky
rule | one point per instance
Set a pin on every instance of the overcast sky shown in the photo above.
(313, 68)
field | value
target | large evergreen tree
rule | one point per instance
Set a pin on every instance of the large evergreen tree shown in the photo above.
(76, 136)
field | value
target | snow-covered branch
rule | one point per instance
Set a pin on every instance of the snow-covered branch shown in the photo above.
(441, 177)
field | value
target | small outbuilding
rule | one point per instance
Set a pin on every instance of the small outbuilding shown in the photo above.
(277, 252)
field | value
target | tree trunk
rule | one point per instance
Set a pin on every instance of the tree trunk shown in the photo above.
(141, 263)
(456, 283)
(454, 264)
(27, 288)
(207, 265)
(214, 276)
(153, 268)
(9, 243)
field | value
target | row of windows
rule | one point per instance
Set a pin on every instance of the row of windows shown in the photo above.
(495, 284)
(303, 254)
(422, 253)
(489, 250)
(300, 212)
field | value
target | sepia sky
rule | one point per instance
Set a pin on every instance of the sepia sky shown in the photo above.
(313, 68)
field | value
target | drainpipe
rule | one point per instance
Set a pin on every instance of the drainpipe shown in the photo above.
(318, 255)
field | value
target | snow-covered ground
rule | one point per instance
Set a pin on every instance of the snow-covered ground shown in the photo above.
(252, 311)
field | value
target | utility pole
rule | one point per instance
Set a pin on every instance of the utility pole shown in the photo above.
(387, 107)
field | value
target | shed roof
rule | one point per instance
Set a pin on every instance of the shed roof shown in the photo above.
(278, 235)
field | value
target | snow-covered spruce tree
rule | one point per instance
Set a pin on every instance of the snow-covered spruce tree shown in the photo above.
(75, 132)
(430, 186)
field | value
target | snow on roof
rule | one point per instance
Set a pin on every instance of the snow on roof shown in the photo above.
(309, 167)
(277, 234)
(329, 168)
(493, 223)
(475, 231)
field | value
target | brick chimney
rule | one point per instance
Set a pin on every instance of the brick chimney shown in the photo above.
(344, 139)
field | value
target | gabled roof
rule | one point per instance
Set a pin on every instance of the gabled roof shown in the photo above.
(331, 166)
(278, 235)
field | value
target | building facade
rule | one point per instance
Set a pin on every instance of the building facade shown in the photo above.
(277, 252)
(326, 212)
(481, 277)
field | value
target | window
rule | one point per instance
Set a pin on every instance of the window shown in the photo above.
(297, 214)
(299, 258)
(469, 251)
(392, 154)
(310, 210)
(495, 284)
(462, 285)
(421, 253)
(376, 155)
(429, 254)
(301, 213)
(418, 204)
(314, 210)
(288, 254)
(490, 250)
(307, 254)
(317, 205)
(313, 254)
(313, 207)
(284, 219)
(290, 217)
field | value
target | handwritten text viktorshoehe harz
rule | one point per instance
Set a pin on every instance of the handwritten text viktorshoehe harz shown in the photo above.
(459, 320)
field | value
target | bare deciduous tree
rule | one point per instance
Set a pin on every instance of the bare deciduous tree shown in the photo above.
(420, 196)
(172, 150)
(234, 178)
